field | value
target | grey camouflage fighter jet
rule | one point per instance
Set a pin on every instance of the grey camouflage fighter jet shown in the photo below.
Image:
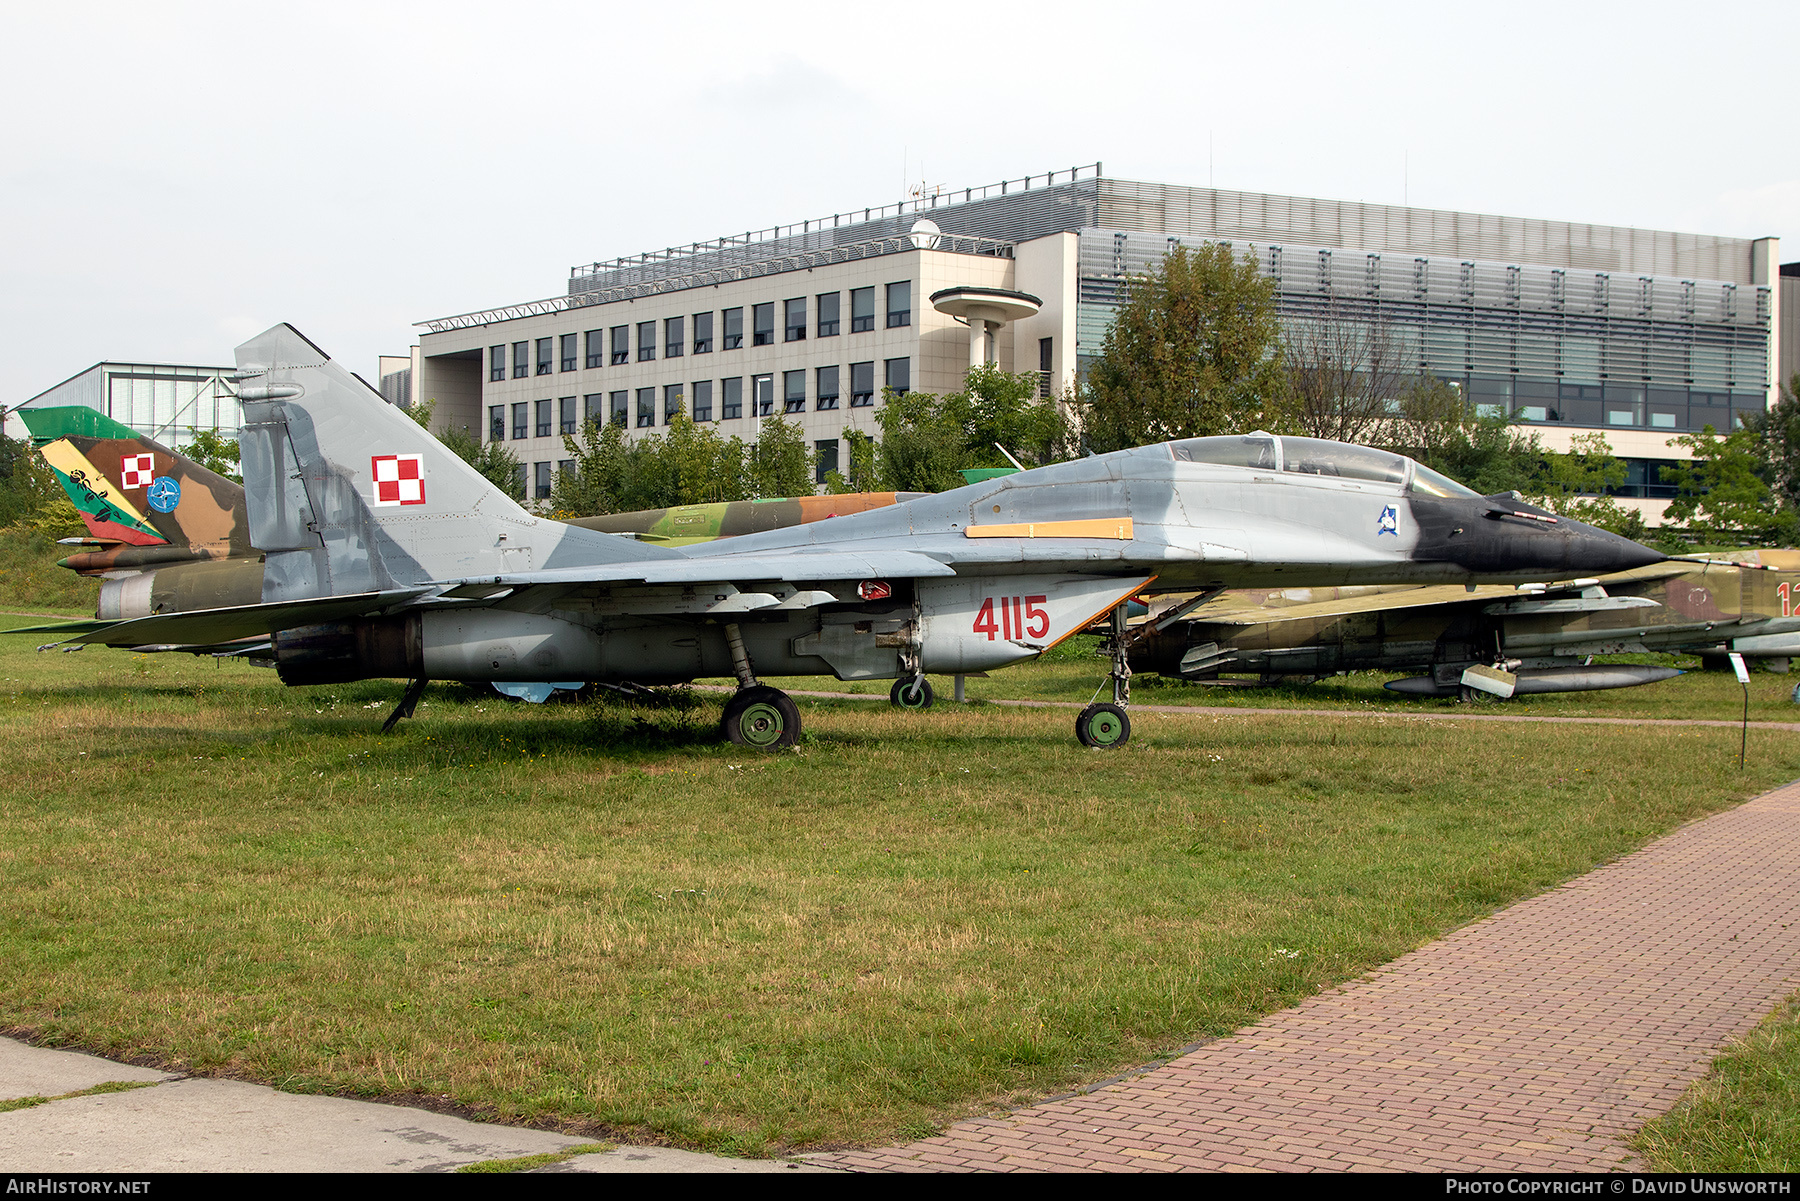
(388, 556)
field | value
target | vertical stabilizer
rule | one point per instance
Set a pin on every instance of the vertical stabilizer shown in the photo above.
(347, 493)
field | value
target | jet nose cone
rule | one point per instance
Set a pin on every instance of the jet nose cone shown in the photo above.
(1504, 539)
(1581, 549)
(1622, 553)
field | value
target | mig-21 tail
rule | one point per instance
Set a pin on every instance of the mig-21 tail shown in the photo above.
(348, 494)
(144, 505)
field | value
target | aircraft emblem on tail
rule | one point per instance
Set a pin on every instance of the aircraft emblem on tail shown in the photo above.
(399, 479)
(136, 471)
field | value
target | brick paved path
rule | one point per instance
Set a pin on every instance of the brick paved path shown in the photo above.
(1531, 1040)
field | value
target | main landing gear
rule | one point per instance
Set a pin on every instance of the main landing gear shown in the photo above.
(757, 715)
(1104, 726)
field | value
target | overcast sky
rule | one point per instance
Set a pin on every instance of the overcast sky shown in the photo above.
(179, 176)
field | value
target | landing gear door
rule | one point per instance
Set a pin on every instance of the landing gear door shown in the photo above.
(980, 623)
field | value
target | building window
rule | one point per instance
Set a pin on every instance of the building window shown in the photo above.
(546, 360)
(674, 337)
(596, 348)
(621, 344)
(862, 310)
(828, 314)
(569, 344)
(828, 388)
(703, 399)
(496, 423)
(646, 341)
(496, 363)
(762, 393)
(899, 304)
(542, 472)
(734, 329)
(543, 419)
(672, 405)
(566, 415)
(519, 479)
(521, 420)
(762, 324)
(621, 408)
(825, 455)
(795, 320)
(702, 333)
(899, 375)
(862, 384)
(646, 406)
(593, 407)
(565, 466)
(793, 391)
(731, 398)
(521, 360)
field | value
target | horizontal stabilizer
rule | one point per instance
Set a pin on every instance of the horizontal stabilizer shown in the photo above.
(210, 626)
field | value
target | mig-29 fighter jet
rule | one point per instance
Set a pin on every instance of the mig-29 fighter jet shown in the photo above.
(388, 556)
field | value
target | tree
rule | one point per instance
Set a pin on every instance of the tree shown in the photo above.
(1723, 491)
(780, 463)
(1344, 376)
(1194, 350)
(1777, 434)
(688, 463)
(213, 451)
(927, 439)
(862, 476)
(1578, 485)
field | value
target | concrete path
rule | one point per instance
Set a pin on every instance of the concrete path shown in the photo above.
(171, 1123)
(1533, 1040)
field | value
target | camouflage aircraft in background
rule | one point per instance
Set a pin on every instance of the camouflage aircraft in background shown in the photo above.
(149, 509)
(1541, 635)
(387, 556)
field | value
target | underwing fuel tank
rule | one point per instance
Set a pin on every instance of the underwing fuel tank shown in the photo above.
(1550, 679)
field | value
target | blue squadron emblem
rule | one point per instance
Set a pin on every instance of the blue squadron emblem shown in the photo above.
(164, 493)
(1389, 523)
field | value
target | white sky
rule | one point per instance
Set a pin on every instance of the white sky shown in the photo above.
(175, 177)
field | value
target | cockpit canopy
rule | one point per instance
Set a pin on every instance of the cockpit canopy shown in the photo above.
(1317, 456)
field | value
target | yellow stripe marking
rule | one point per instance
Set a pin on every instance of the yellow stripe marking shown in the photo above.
(1095, 527)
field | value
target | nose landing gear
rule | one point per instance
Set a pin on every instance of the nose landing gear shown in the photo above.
(1104, 726)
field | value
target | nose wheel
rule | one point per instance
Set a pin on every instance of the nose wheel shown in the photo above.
(1104, 725)
(914, 693)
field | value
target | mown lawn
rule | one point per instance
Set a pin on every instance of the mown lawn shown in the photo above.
(607, 918)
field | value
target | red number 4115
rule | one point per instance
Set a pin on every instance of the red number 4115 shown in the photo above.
(1019, 617)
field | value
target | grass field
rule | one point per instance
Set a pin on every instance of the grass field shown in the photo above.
(608, 919)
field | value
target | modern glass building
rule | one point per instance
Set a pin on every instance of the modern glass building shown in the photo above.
(1564, 326)
(160, 400)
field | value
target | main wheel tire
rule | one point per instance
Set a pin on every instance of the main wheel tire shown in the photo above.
(762, 718)
(909, 694)
(1103, 727)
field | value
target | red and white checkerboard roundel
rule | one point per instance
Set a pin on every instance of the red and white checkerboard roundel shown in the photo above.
(399, 479)
(136, 471)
